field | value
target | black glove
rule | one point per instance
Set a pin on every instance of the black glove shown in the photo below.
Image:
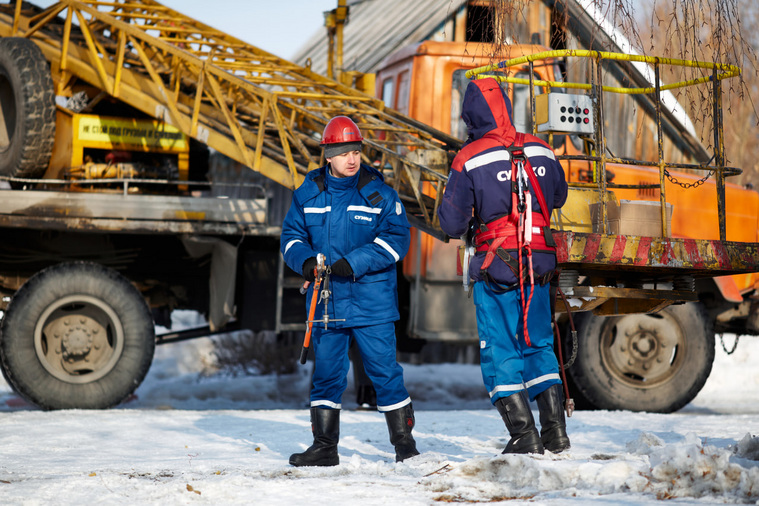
(342, 268)
(308, 269)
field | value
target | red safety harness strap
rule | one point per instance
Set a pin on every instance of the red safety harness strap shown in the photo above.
(508, 232)
(503, 226)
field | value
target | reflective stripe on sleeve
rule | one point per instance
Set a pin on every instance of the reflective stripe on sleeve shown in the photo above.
(289, 244)
(387, 247)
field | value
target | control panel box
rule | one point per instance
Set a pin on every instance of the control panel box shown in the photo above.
(561, 112)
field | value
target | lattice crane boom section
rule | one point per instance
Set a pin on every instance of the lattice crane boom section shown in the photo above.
(258, 109)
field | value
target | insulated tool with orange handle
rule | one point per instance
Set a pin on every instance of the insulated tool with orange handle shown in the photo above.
(319, 272)
(321, 281)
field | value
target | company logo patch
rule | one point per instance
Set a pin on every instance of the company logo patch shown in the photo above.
(398, 208)
(361, 219)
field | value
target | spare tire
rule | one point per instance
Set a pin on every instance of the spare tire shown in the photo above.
(27, 109)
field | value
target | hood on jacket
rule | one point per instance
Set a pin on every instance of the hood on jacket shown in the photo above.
(487, 108)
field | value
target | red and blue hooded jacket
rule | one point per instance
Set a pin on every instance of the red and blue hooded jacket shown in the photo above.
(480, 178)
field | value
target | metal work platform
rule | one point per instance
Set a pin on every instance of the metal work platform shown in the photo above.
(146, 214)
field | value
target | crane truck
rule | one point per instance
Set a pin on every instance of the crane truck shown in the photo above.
(635, 349)
(114, 213)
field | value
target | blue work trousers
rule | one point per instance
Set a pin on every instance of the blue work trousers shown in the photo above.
(377, 346)
(508, 364)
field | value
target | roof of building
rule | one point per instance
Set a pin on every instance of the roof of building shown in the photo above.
(376, 29)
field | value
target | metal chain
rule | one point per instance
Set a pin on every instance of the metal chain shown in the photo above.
(574, 351)
(735, 344)
(695, 184)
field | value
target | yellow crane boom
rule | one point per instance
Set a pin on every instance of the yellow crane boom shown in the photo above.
(258, 109)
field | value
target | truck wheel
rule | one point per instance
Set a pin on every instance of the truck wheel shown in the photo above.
(27, 109)
(76, 336)
(644, 362)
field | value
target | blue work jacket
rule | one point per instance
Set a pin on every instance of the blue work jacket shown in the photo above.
(360, 219)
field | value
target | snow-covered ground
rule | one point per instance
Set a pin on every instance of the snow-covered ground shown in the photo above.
(190, 437)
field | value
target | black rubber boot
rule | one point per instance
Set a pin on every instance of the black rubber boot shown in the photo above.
(516, 414)
(400, 422)
(325, 424)
(553, 427)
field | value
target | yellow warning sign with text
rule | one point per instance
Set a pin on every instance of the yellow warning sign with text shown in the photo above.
(114, 132)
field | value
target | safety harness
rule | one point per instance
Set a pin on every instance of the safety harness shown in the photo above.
(522, 231)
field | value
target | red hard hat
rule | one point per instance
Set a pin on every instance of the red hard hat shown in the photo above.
(341, 129)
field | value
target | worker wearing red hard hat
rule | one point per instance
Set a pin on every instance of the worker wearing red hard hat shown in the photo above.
(346, 212)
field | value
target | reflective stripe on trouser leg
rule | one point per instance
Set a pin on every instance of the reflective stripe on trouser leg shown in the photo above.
(377, 346)
(501, 361)
(330, 366)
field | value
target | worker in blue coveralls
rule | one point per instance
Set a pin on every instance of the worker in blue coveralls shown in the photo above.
(502, 188)
(346, 212)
